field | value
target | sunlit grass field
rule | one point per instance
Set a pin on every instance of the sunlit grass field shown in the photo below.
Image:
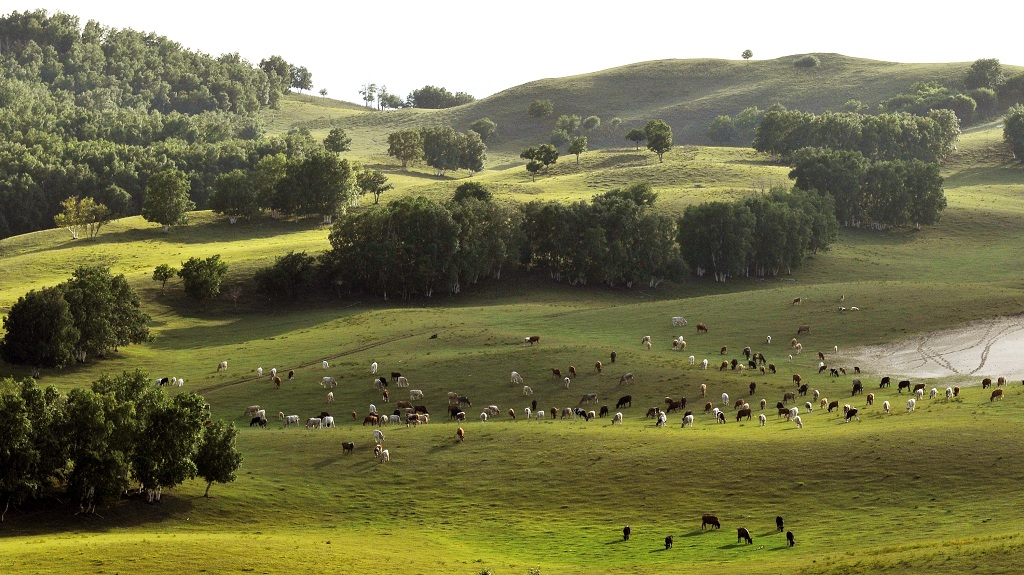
(933, 491)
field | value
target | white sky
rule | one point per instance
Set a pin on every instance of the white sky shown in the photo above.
(483, 47)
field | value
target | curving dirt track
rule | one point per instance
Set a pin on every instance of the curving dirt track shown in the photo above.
(988, 348)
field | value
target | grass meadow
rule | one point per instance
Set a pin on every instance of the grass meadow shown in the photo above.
(933, 491)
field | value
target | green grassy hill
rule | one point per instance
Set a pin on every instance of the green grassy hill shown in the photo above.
(688, 94)
(934, 491)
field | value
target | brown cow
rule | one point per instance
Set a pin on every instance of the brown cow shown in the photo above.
(743, 413)
(598, 367)
(797, 301)
(724, 366)
(996, 394)
(555, 372)
(701, 328)
(796, 379)
(805, 328)
(724, 350)
(347, 446)
(986, 383)
(711, 520)
(533, 339)
(1001, 381)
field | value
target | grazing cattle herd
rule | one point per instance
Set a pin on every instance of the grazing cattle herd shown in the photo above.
(415, 415)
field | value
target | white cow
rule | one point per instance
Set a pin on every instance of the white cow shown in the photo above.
(328, 381)
(527, 390)
(762, 419)
(378, 436)
(516, 378)
(373, 368)
(259, 372)
(617, 418)
(527, 412)
(385, 456)
(725, 399)
(799, 423)
(688, 420)
(402, 381)
(566, 382)
(328, 421)
(415, 394)
(885, 407)
(768, 339)
(483, 417)
(540, 414)
(273, 372)
(911, 404)
(678, 321)
(949, 393)
(704, 364)
(330, 397)
(222, 366)
(325, 364)
(692, 359)
(933, 393)
(314, 422)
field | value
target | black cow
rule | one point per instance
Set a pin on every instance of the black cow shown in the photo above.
(260, 421)
(742, 534)
(625, 533)
(852, 413)
(420, 409)
(753, 387)
(668, 542)
(624, 401)
(453, 410)
(604, 411)
(790, 538)
(885, 382)
(711, 520)
(905, 384)
(779, 523)
(833, 405)
(395, 375)
(858, 387)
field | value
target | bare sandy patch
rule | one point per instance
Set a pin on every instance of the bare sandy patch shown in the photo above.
(989, 348)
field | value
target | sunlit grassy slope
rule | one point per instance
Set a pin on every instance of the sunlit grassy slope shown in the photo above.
(934, 491)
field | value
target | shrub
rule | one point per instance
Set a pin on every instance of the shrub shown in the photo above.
(808, 61)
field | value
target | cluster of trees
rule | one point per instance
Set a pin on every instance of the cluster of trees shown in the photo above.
(761, 236)
(656, 134)
(436, 98)
(82, 214)
(94, 444)
(440, 147)
(726, 130)
(427, 97)
(1013, 131)
(978, 95)
(316, 183)
(92, 314)
(880, 193)
(93, 112)
(897, 136)
(418, 247)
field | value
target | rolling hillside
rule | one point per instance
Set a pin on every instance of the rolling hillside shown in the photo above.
(933, 491)
(688, 94)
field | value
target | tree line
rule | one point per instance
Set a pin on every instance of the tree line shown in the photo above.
(418, 247)
(896, 136)
(93, 445)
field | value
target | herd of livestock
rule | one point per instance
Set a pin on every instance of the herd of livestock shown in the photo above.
(794, 406)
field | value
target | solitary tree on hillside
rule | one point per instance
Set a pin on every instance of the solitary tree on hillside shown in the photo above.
(162, 273)
(202, 277)
(216, 458)
(337, 141)
(406, 146)
(78, 214)
(167, 201)
(637, 136)
(373, 182)
(659, 137)
(302, 78)
(577, 146)
(485, 127)
(540, 108)
(747, 54)
(323, 92)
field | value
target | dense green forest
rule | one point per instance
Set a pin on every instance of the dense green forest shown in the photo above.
(93, 111)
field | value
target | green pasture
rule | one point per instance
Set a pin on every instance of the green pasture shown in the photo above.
(934, 491)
